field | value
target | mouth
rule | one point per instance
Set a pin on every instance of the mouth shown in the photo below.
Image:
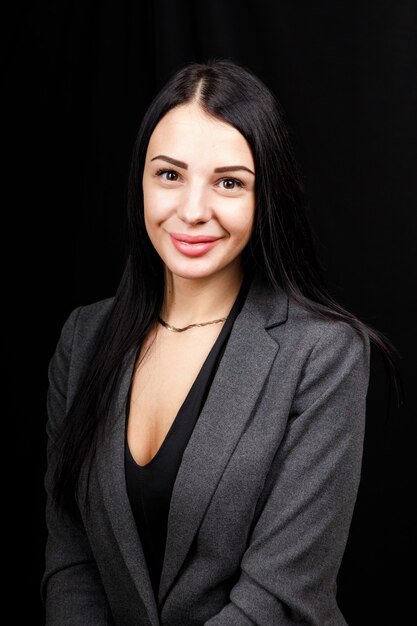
(193, 246)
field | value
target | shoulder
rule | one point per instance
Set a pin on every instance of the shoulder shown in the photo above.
(328, 345)
(315, 328)
(86, 319)
(312, 345)
(332, 353)
(81, 328)
(319, 360)
(90, 317)
(76, 344)
(298, 327)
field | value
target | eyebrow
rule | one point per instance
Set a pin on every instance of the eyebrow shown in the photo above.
(233, 168)
(224, 168)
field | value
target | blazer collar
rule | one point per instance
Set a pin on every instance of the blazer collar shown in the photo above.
(268, 305)
(245, 365)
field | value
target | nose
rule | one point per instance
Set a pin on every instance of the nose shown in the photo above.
(193, 206)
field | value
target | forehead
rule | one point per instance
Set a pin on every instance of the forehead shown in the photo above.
(186, 132)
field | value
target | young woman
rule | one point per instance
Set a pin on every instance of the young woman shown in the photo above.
(206, 424)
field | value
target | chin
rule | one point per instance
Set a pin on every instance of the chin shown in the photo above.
(202, 267)
(191, 274)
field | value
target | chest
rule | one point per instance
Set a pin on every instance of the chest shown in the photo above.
(167, 367)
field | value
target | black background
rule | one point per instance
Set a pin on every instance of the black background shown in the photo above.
(78, 77)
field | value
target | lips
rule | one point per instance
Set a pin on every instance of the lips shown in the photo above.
(193, 246)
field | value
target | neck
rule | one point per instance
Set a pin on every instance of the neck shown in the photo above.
(189, 301)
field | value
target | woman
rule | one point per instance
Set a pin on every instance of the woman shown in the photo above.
(206, 424)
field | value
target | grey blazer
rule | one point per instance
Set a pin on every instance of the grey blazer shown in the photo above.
(263, 499)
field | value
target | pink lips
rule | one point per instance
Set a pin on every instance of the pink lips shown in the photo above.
(193, 245)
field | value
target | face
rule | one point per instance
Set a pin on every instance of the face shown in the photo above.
(198, 192)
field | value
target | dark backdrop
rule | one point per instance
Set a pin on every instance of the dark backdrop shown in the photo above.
(78, 77)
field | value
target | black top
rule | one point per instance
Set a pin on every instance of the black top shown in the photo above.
(149, 487)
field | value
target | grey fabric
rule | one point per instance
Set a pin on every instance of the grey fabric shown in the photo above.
(264, 496)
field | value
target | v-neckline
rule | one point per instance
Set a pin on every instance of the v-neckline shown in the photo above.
(227, 327)
(180, 411)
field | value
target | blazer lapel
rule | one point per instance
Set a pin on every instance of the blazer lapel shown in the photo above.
(111, 473)
(240, 377)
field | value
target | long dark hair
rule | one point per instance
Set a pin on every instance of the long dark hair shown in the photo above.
(281, 248)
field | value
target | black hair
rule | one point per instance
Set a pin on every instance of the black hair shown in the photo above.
(281, 248)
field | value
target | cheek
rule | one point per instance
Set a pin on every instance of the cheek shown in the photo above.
(239, 222)
(157, 206)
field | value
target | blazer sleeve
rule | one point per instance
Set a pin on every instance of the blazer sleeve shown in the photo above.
(288, 571)
(71, 588)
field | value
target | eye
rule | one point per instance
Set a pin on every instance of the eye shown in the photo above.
(168, 175)
(230, 184)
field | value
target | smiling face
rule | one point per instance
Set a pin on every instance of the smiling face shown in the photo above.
(198, 193)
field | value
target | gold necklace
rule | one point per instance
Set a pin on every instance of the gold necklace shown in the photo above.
(174, 329)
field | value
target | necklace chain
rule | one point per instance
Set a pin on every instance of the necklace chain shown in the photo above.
(174, 329)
